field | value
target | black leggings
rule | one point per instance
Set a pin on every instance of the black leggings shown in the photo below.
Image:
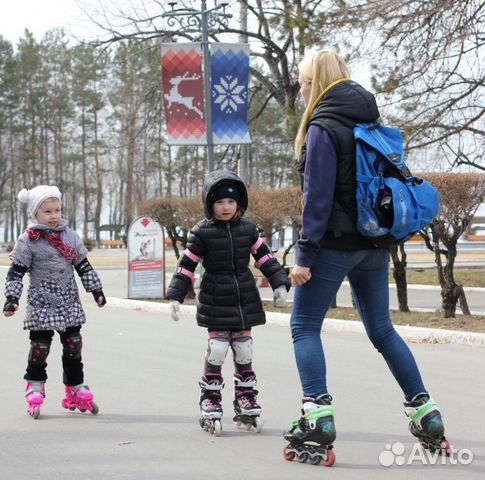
(40, 343)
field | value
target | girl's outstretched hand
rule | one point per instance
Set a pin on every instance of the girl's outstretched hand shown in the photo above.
(10, 307)
(99, 297)
(280, 295)
(174, 310)
(300, 275)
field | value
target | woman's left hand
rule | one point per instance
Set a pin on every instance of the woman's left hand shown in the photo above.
(300, 275)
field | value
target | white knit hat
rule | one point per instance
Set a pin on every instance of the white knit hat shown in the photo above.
(37, 195)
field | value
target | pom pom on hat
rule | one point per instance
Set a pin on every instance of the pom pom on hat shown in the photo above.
(24, 195)
(37, 195)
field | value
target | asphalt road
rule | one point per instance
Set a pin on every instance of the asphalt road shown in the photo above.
(144, 370)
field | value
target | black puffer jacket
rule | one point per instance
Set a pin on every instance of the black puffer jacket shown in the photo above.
(228, 298)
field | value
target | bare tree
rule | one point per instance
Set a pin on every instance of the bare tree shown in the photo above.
(460, 196)
(428, 64)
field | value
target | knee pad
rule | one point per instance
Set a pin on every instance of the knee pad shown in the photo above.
(217, 351)
(39, 352)
(242, 348)
(72, 345)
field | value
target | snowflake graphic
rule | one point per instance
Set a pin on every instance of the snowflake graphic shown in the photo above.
(229, 94)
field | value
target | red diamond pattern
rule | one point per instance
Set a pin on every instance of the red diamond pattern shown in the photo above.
(183, 96)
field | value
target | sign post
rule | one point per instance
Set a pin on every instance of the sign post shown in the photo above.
(146, 259)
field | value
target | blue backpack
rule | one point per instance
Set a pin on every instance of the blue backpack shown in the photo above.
(392, 203)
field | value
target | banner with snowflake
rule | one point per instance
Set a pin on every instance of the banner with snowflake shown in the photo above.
(229, 88)
(183, 93)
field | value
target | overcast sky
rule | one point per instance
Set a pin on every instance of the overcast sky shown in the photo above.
(39, 16)
(42, 15)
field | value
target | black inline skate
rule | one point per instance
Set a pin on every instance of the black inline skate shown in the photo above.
(246, 408)
(426, 424)
(311, 437)
(210, 403)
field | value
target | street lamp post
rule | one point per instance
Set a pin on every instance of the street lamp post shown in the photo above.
(205, 21)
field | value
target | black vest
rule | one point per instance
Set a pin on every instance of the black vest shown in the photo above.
(344, 105)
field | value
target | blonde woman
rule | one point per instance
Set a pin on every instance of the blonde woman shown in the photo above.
(329, 249)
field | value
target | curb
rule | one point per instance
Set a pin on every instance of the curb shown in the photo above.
(412, 334)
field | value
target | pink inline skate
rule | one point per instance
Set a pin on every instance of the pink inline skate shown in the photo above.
(34, 394)
(80, 397)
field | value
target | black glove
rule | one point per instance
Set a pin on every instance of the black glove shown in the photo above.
(97, 294)
(10, 304)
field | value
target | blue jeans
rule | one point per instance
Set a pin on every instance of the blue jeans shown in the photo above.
(368, 274)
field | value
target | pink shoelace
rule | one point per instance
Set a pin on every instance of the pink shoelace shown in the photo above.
(246, 400)
(210, 403)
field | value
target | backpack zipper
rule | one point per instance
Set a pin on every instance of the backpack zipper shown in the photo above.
(234, 275)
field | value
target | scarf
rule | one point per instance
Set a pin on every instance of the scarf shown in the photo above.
(54, 238)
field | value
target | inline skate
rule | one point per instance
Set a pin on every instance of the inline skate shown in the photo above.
(426, 424)
(34, 394)
(80, 397)
(246, 409)
(311, 437)
(211, 385)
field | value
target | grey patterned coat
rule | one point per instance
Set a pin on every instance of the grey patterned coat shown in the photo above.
(53, 298)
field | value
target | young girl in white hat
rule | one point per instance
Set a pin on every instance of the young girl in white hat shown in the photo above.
(49, 250)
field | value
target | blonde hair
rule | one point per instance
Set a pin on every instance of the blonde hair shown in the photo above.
(323, 70)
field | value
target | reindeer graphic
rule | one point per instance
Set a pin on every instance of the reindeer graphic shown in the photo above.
(174, 96)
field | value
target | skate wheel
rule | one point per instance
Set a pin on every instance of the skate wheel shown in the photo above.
(36, 413)
(330, 459)
(72, 409)
(238, 423)
(303, 457)
(258, 424)
(217, 428)
(248, 426)
(313, 457)
(82, 410)
(94, 408)
(314, 460)
(289, 456)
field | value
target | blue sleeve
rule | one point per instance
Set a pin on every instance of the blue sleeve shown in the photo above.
(318, 190)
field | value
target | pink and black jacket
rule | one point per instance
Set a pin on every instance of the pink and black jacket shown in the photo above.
(228, 298)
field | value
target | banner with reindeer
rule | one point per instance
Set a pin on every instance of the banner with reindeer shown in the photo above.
(229, 89)
(183, 93)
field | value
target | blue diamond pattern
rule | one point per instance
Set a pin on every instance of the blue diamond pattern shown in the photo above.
(229, 77)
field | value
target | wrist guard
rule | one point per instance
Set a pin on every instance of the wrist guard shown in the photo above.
(83, 267)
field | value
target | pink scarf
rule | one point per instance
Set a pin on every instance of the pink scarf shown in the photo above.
(54, 238)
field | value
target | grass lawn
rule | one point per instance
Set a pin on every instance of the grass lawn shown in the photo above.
(472, 323)
(468, 277)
